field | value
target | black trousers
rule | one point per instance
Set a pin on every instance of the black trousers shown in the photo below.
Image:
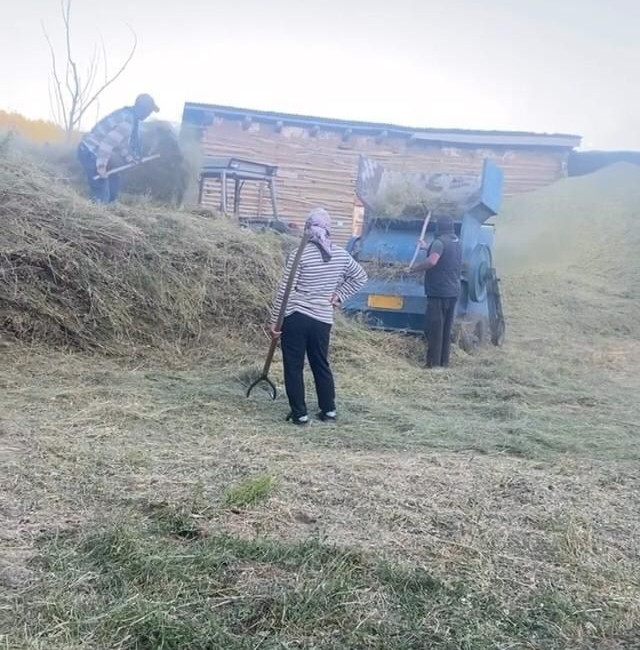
(438, 325)
(304, 335)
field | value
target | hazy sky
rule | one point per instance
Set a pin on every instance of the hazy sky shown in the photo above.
(542, 65)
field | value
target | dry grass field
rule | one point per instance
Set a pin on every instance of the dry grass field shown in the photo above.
(145, 503)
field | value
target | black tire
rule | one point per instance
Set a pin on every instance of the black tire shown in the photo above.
(496, 316)
(497, 335)
(480, 265)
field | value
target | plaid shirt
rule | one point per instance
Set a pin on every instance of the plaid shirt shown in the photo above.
(115, 132)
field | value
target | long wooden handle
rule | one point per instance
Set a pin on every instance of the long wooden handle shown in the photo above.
(283, 305)
(292, 274)
(423, 232)
(269, 359)
(116, 170)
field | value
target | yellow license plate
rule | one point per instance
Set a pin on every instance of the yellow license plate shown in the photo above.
(385, 302)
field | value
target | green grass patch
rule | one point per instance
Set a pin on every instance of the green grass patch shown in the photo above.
(137, 587)
(249, 491)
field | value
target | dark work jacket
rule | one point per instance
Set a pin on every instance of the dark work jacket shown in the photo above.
(443, 280)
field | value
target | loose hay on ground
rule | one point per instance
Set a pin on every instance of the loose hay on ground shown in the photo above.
(526, 539)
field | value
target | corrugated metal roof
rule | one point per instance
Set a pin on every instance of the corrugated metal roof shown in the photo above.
(194, 114)
(502, 139)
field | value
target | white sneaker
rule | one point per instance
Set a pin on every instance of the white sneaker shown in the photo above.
(302, 420)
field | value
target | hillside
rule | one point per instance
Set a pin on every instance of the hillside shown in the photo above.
(586, 226)
(145, 503)
(569, 256)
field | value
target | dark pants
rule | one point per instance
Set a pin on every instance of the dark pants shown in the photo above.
(438, 325)
(304, 335)
(102, 190)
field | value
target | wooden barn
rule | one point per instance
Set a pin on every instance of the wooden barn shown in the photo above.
(317, 158)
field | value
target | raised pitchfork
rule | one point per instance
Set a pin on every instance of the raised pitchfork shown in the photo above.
(423, 234)
(264, 376)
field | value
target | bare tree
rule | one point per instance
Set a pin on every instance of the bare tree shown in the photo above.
(72, 93)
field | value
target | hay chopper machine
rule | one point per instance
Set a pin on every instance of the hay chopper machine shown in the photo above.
(394, 299)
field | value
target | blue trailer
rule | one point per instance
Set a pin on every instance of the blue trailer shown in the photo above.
(394, 299)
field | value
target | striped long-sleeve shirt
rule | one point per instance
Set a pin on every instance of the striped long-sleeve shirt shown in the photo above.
(116, 132)
(316, 281)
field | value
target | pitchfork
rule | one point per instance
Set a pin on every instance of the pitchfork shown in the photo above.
(117, 170)
(264, 377)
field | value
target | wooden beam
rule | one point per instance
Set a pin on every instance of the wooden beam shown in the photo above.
(274, 201)
(223, 192)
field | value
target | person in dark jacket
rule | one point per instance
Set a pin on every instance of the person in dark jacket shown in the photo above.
(116, 134)
(443, 269)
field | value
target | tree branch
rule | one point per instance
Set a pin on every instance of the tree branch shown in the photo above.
(105, 59)
(92, 71)
(54, 104)
(110, 80)
(73, 94)
(75, 89)
(61, 106)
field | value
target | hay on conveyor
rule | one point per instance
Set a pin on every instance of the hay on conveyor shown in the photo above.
(121, 279)
(386, 271)
(410, 196)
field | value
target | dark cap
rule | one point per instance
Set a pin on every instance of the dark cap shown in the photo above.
(147, 103)
(445, 224)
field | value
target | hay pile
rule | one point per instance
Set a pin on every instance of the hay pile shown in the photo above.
(588, 224)
(568, 254)
(123, 279)
(169, 178)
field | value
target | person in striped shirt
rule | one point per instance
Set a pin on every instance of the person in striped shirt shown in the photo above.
(325, 278)
(115, 135)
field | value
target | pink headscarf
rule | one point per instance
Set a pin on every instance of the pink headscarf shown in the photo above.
(318, 228)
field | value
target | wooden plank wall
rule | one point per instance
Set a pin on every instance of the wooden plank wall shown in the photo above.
(321, 170)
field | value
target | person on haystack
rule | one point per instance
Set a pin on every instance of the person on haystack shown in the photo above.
(443, 269)
(114, 140)
(326, 276)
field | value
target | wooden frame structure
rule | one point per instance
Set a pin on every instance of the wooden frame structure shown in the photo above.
(239, 171)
